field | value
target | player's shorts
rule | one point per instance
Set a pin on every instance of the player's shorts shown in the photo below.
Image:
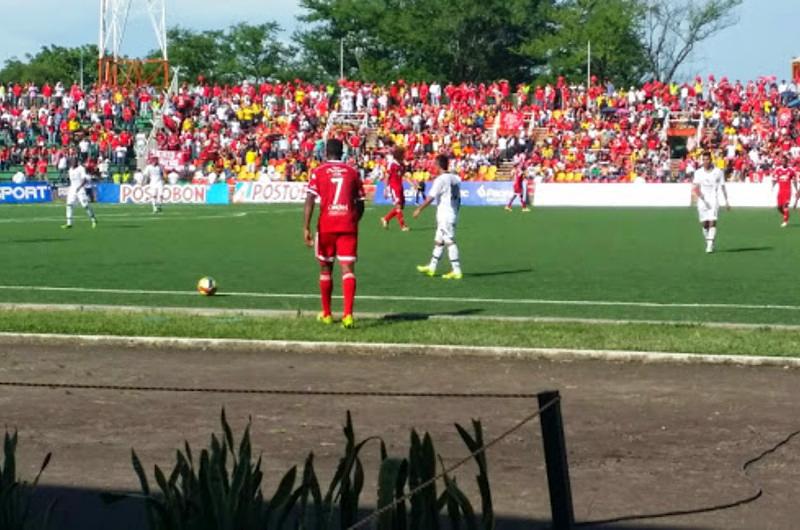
(398, 197)
(157, 191)
(710, 213)
(332, 245)
(784, 199)
(445, 232)
(80, 196)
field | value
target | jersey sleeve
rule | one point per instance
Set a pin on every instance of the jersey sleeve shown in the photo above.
(436, 187)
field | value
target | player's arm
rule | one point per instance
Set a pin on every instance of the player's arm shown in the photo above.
(698, 194)
(308, 213)
(428, 200)
(725, 194)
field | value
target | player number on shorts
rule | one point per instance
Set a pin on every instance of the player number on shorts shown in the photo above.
(338, 181)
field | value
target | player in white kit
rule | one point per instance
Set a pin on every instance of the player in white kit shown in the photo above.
(446, 191)
(708, 182)
(155, 179)
(78, 178)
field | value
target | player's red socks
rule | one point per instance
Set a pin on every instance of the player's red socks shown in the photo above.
(400, 218)
(389, 216)
(325, 291)
(349, 291)
(785, 214)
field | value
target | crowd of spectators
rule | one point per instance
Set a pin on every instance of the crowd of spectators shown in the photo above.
(274, 130)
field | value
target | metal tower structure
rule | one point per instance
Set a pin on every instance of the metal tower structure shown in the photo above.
(114, 68)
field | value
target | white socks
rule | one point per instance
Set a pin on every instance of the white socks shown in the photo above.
(452, 253)
(438, 250)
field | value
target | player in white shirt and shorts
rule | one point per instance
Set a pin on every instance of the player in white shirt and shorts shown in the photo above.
(708, 181)
(446, 191)
(155, 180)
(78, 178)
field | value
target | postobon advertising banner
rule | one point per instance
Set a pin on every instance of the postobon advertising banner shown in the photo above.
(170, 194)
(25, 193)
(269, 192)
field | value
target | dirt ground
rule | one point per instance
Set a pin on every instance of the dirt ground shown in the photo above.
(642, 439)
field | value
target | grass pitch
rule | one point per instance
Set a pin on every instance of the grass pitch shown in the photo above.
(632, 264)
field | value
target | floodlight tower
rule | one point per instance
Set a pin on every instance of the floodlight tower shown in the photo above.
(116, 69)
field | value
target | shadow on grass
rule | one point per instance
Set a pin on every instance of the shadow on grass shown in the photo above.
(40, 240)
(746, 249)
(498, 273)
(87, 509)
(393, 318)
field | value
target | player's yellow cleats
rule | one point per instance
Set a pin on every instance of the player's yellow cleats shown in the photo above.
(507, 208)
(348, 322)
(452, 275)
(66, 227)
(424, 269)
(325, 319)
(526, 209)
(94, 223)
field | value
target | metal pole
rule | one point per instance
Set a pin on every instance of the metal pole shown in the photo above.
(555, 455)
(341, 58)
(588, 72)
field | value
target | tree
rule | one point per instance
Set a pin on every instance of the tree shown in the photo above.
(467, 40)
(195, 53)
(53, 63)
(671, 29)
(242, 51)
(612, 28)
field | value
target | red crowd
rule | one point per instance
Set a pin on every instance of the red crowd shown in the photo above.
(274, 130)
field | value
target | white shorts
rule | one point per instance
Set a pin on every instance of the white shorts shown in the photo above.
(707, 213)
(445, 232)
(157, 191)
(80, 196)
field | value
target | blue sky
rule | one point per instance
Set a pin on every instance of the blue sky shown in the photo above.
(762, 43)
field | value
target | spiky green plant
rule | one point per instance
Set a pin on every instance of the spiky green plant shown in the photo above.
(223, 492)
(16, 496)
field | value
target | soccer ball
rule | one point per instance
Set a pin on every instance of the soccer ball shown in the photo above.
(207, 286)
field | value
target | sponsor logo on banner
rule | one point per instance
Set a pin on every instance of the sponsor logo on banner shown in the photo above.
(270, 192)
(170, 194)
(25, 193)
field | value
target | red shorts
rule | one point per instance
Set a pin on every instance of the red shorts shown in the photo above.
(332, 245)
(398, 198)
(784, 199)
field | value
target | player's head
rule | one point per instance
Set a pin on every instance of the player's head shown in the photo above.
(334, 149)
(399, 153)
(73, 162)
(443, 162)
(707, 159)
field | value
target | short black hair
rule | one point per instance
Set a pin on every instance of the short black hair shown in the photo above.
(334, 149)
(443, 161)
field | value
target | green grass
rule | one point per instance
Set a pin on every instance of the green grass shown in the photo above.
(684, 338)
(549, 263)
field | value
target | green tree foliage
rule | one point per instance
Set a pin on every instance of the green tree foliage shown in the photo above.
(465, 40)
(610, 26)
(53, 63)
(242, 51)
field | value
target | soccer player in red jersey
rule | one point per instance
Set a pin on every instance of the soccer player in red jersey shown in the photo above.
(784, 177)
(394, 182)
(520, 190)
(341, 203)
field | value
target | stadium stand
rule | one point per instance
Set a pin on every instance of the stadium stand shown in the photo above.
(275, 130)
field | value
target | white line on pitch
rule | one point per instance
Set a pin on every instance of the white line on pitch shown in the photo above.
(505, 301)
